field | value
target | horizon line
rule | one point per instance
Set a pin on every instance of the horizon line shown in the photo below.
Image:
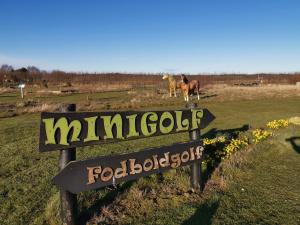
(148, 72)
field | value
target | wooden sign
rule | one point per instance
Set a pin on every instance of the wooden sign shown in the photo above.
(67, 130)
(85, 175)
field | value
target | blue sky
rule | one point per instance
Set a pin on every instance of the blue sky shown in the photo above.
(175, 36)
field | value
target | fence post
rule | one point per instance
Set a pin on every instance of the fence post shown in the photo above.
(196, 170)
(22, 93)
(68, 201)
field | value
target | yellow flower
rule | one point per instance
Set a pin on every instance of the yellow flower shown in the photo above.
(234, 146)
(259, 135)
(276, 124)
(220, 139)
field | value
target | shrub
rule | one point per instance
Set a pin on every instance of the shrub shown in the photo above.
(259, 135)
(276, 124)
(235, 145)
(220, 139)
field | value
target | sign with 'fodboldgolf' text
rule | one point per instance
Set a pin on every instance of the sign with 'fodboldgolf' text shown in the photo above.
(67, 130)
(85, 175)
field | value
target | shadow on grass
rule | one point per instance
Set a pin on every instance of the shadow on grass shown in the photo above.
(232, 132)
(296, 146)
(209, 96)
(211, 152)
(203, 215)
(194, 94)
(205, 212)
(86, 214)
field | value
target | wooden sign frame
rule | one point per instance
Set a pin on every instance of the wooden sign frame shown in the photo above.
(67, 130)
(84, 175)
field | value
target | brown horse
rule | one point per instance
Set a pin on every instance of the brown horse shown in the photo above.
(189, 87)
(185, 90)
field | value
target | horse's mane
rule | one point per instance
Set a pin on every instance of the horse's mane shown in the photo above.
(184, 79)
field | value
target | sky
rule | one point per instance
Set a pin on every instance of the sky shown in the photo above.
(152, 36)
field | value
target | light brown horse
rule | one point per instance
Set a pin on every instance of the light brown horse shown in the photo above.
(172, 84)
(189, 87)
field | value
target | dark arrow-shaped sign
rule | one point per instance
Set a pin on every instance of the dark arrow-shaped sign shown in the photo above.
(99, 172)
(67, 130)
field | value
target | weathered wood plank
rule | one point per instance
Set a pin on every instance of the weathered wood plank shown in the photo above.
(99, 172)
(67, 130)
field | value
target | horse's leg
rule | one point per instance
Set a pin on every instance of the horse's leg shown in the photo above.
(175, 92)
(198, 90)
(191, 89)
(187, 95)
(170, 92)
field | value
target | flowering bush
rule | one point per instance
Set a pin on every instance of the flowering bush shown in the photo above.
(220, 139)
(223, 146)
(234, 146)
(214, 150)
(276, 124)
(259, 135)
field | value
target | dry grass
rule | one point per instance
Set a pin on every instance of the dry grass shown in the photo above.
(89, 98)
(4, 90)
(32, 106)
(146, 195)
(102, 87)
(40, 108)
(225, 92)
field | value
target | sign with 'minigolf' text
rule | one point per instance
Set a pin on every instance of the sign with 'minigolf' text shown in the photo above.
(67, 130)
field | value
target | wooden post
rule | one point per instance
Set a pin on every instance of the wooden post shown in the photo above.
(21, 86)
(68, 201)
(22, 94)
(196, 172)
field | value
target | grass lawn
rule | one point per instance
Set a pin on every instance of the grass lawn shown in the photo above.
(263, 189)
(268, 178)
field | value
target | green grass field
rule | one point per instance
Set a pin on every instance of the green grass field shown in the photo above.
(263, 190)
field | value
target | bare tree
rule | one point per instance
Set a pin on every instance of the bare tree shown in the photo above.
(6, 68)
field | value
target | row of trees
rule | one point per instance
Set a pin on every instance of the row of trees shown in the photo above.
(33, 75)
(8, 69)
